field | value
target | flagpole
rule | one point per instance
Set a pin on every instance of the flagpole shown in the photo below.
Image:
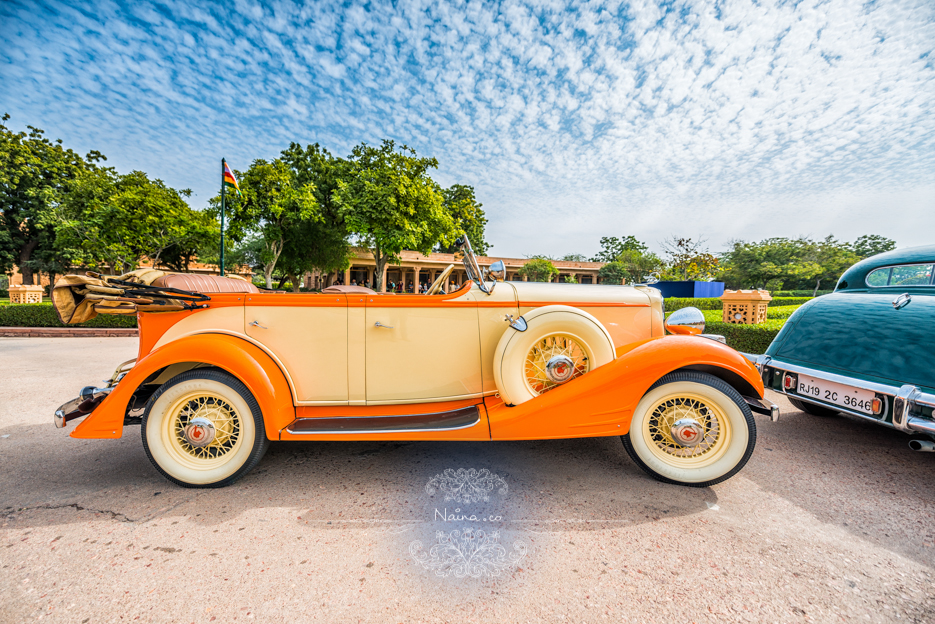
(223, 163)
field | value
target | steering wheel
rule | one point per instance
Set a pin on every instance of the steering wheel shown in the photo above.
(437, 284)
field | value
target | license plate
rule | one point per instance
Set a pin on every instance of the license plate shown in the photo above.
(850, 397)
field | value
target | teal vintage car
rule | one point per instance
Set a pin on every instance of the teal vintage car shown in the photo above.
(867, 349)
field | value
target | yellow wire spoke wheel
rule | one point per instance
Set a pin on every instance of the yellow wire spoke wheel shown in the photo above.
(203, 428)
(559, 344)
(711, 426)
(226, 424)
(554, 360)
(691, 428)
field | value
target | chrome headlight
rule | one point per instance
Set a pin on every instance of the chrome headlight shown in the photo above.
(686, 321)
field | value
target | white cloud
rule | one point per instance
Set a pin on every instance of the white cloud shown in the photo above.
(573, 121)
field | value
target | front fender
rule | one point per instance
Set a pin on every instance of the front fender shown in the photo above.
(602, 402)
(238, 357)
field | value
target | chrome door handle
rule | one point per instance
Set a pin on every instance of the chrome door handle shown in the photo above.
(902, 301)
(379, 324)
(257, 324)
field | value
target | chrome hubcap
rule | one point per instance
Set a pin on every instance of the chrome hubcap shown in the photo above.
(199, 432)
(560, 369)
(687, 432)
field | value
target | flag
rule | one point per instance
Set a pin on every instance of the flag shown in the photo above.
(230, 181)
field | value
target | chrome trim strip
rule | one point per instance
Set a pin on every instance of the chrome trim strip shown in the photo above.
(913, 396)
(919, 424)
(387, 431)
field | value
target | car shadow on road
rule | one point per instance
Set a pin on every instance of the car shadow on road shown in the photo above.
(851, 473)
(579, 484)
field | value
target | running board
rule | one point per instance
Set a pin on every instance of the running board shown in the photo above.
(440, 421)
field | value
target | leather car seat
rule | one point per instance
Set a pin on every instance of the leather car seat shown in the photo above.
(204, 283)
(337, 288)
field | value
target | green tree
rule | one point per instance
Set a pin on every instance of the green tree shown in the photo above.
(273, 202)
(35, 175)
(574, 257)
(833, 258)
(538, 270)
(117, 220)
(872, 244)
(612, 247)
(754, 264)
(613, 273)
(390, 203)
(321, 243)
(468, 217)
(688, 260)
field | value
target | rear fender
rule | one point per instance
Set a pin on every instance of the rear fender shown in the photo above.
(602, 402)
(240, 358)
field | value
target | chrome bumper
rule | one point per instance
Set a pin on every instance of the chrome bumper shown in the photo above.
(90, 398)
(904, 405)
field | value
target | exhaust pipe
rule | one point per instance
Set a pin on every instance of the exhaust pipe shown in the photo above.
(923, 446)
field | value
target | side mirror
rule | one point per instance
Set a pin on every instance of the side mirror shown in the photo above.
(686, 321)
(497, 271)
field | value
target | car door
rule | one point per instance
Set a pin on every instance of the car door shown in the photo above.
(308, 335)
(422, 348)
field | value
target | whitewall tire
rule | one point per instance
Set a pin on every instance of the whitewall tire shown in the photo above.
(203, 428)
(691, 429)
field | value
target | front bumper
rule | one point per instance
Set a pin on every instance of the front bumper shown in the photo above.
(906, 408)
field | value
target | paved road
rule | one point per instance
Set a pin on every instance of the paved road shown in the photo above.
(832, 520)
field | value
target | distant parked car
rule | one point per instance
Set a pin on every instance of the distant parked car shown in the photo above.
(867, 349)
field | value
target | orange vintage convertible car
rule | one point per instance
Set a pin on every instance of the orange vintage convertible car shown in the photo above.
(224, 368)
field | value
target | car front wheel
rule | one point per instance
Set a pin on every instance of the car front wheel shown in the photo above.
(203, 428)
(691, 429)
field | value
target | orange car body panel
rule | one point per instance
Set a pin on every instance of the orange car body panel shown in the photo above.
(239, 357)
(601, 403)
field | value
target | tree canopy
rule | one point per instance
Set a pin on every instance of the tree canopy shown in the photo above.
(35, 175)
(273, 203)
(390, 203)
(468, 217)
(538, 270)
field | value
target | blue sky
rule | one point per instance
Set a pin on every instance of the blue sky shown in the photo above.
(573, 121)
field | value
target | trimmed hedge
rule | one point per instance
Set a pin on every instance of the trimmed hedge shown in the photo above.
(713, 303)
(799, 293)
(754, 339)
(43, 315)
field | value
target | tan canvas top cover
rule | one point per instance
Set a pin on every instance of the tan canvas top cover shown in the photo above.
(79, 298)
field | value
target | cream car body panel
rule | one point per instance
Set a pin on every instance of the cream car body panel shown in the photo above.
(315, 360)
(228, 319)
(493, 311)
(625, 311)
(421, 353)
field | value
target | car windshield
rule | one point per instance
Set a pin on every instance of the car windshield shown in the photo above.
(906, 275)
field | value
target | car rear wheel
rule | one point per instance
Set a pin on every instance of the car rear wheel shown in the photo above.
(691, 429)
(811, 408)
(203, 428)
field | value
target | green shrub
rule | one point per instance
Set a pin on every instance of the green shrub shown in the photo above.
(799, 293)
(713, 303)
(781, 312)
(788, 301)
(752, 339)
(677, 303)
(43, 315)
